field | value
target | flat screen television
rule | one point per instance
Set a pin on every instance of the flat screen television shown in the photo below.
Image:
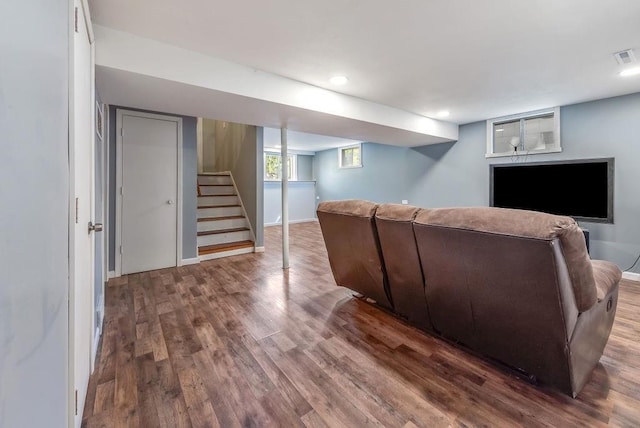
(582, 189)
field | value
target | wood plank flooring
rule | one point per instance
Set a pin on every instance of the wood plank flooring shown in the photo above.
(238, 342)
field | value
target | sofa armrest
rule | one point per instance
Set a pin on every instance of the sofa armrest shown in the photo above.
(606, 275)
(590, 337)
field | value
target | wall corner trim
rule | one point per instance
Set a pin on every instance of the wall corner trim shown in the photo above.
(111, 274)
(258, 250)
(191, 261)
(631, 276)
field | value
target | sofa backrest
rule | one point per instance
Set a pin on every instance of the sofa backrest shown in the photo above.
(529, 224)
(400, 253)
(508, 283)
(350, 235)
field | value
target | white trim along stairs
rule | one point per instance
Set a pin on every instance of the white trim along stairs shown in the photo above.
(223, 227)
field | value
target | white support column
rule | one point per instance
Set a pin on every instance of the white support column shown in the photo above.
(285, 198)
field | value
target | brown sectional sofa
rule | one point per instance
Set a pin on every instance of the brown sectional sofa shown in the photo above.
(516, 286)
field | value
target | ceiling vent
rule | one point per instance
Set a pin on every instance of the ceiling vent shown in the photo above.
(625, 57)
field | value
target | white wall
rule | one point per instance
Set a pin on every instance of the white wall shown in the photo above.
(34, 213)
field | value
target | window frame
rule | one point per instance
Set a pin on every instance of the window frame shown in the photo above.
(294, 166)
(555, 147)
(352, 146)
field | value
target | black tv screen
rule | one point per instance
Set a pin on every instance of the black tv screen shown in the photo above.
(580, 189)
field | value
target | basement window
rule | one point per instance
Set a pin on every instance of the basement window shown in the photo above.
(273, 167)
(524, 134)
(350, 157)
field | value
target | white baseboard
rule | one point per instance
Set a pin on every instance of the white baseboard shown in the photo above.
(631, 276)
(258, 249)
(304, 220)
(111, 274)
(192, 261)
(94, 350)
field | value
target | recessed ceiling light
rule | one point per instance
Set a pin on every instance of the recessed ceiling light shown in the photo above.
(339, 80)
(443, 113)
(630, 72)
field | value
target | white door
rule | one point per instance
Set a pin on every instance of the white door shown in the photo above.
(150, 196)
(82, 211)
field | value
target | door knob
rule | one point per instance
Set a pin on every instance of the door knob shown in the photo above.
(170, 201)
(95, 227)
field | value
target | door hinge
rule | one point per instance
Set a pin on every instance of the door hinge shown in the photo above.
(121, 132)
(120, 249)
(77, 210)
(76, 402)
(75, 20)
(121, 191)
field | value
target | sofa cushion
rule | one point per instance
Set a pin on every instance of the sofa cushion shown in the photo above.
(352, 207)
(397, 212)
(400, 254)
(606, 275)
(527, 224)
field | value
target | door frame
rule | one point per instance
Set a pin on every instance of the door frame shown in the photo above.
(99, 144)
(73, 324)
(178, 120)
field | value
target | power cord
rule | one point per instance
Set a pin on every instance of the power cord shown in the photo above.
(633, 265)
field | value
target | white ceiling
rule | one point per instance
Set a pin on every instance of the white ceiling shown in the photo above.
(478, 59)
(302, 141)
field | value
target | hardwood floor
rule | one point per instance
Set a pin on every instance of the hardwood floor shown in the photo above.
(240, 342)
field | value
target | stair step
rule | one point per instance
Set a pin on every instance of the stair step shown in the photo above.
(219, 211)
(212, 237)
(215, 232)
(222, 179)
(221, 200)
(229, 246)
(218, 206)
(208, 224)
(216, 189)
(229, 217)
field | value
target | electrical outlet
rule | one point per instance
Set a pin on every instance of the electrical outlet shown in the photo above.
(405, 202)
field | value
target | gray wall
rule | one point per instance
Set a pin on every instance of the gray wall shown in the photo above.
(189, 189)
(457, 174)
(34, 213)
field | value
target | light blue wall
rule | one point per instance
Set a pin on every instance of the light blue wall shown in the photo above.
(302, 202)
(457, 174)
(381, 179)
(189, 177)
(305, 167)
(34, 213)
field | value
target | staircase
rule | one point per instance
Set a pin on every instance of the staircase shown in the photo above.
(223, 228)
